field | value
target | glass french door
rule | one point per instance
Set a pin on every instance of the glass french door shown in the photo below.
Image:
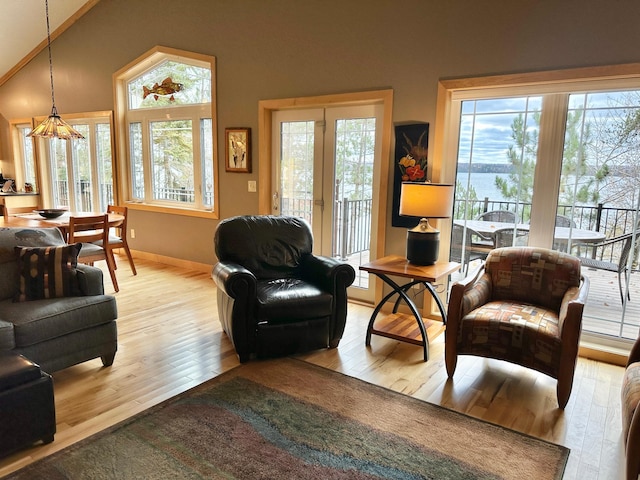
(324, 172)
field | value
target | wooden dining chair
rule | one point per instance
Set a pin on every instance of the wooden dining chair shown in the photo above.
(88, 230)
(13, 211)
(117, 237)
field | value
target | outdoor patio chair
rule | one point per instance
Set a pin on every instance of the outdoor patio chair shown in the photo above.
(502, 216)
(503, 237)
(564, 221)
(620, 266)
(498, 216)
(471, 251)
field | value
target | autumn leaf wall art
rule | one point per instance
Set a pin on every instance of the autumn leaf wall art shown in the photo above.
(410, 165)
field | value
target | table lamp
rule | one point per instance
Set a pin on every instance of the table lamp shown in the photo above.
(426, 200)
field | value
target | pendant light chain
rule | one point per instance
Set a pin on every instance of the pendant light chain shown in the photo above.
(53, 100)
(53, 126)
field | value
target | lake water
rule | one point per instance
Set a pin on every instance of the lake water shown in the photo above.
(485, 187)
(483, 183)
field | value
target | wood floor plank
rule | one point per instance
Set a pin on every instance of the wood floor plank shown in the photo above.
(170, 340)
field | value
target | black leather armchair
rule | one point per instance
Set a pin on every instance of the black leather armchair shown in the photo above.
(274, 296)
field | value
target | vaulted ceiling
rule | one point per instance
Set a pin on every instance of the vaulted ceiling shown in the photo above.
(23, 28)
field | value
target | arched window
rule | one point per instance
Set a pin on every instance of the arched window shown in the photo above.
(165, 109)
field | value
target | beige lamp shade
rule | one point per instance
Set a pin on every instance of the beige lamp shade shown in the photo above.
(428, 200)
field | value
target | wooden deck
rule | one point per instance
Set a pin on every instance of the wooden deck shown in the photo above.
(604, 311)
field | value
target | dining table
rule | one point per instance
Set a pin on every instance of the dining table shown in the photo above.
(35, 220)
(561, 236)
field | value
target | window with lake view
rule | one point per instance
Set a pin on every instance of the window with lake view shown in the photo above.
(559, 169)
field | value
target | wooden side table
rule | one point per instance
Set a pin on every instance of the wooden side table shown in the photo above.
(394, 265)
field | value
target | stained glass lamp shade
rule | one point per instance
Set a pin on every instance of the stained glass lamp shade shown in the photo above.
(53, 126)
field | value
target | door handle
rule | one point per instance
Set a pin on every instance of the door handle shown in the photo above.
(276, 204)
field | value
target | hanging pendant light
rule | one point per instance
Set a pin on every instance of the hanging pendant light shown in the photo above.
(53, 126)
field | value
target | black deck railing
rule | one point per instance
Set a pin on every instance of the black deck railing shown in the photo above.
(611, 221)
(351, 222)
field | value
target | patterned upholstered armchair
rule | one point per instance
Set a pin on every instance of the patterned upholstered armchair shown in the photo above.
(631, 412)
(523, 306)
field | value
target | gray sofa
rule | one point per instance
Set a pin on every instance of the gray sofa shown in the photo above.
(57, 332)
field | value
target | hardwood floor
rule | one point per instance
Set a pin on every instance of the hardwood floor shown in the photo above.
(170, 340)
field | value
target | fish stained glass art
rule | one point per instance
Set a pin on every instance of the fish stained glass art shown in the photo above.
(167, 88)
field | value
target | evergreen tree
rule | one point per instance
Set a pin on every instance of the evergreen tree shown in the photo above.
(518, 185)
(581, 179)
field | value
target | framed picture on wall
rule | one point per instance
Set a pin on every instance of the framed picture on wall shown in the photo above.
(410, 165)
(238, 150)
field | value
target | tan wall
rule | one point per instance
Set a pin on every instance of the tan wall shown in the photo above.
(268, 49)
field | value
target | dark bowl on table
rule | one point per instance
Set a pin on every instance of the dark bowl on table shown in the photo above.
(51, 212)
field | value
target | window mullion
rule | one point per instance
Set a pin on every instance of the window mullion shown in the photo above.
(71, 194)
(546, 184)
(146, 161)
(95, 175)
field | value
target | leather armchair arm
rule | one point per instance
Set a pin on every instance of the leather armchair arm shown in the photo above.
(327, 273)
(234, 280)
(332, 276)
(236, 299)
(7, 338)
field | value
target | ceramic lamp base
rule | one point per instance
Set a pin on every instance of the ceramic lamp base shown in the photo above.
(423, 247)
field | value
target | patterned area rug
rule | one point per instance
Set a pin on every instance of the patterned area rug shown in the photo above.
(287, 419)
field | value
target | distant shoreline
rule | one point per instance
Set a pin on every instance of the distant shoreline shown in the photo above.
(506, 168)
(485, 168)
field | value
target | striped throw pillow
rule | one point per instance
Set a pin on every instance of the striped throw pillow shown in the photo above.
(47, 272)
